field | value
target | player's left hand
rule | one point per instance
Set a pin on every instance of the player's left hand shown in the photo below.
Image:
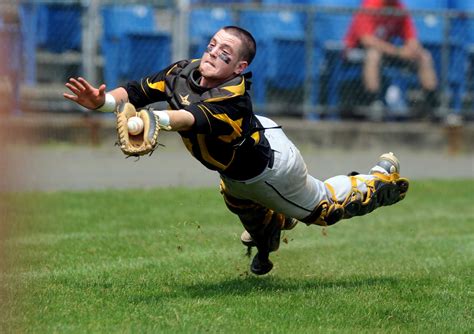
(142, 143)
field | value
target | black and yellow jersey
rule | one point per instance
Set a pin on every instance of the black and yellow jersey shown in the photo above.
(226, 136)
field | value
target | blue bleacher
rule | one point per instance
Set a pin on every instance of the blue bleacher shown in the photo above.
(11, 64)
(463, 5)
(207, 2)
(51, 27)
(329, 32)
(431, 30)
(28, 14)
(127, 31)
(465, 22)
(336, 3)
(427, 4)
(121, 19)
(283, 2)
(59, 27)
(154, 50)
(330, 28)
(280, 59)
(203, 24)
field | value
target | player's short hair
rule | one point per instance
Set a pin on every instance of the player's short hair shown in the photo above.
(249, 46)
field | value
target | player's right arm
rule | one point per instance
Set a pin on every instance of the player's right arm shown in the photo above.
(140, 93)
(94, 98)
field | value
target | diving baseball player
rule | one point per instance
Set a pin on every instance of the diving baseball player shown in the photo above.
(264, 179)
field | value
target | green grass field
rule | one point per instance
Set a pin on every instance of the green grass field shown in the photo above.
(170, 260)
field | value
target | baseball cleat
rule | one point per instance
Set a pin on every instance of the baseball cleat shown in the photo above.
(261, 264)
(391, 165)
(248, 241)
(384, 194)
(387, 188)
(270, 239)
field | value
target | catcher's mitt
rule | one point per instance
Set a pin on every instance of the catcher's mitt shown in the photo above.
(143, 143)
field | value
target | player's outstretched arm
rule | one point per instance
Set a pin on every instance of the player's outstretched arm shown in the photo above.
(90, 97)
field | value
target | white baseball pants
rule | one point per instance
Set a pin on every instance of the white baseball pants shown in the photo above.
(287, 187)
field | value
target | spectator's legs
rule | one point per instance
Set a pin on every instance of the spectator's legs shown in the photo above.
(429, 83)
(371, 71)
(371, 79)
(426, 72)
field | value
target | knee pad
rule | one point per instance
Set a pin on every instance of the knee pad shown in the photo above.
(237, 205)
(262, 224)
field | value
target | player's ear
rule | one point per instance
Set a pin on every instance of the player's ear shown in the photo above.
(241, 66)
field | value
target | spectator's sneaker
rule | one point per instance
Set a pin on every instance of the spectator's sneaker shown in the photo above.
(261, 264)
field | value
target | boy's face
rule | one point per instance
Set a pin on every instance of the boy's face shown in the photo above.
(222, 57)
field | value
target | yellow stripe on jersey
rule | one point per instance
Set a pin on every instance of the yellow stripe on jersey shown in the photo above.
(143, 89)
(236, 90)
(256, 137)
(171, 69)
(159, 85)
(205, 111)
(188, 144)
(207, 156)
(236, 125)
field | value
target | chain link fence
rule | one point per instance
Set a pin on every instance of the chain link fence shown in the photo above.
(302, 68)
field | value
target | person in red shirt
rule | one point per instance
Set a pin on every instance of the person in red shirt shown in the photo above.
(373, 29)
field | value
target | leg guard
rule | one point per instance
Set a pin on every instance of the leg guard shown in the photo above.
(383, 190)
(263, 227)
(326, 213)
(262, 224)
(378, 190)
(248, 241)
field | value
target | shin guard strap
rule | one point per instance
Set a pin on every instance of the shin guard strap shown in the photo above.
(325, 214)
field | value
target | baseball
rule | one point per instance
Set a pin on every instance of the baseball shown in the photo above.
(135, 125)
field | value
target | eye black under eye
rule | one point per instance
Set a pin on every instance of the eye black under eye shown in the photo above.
(224, 57)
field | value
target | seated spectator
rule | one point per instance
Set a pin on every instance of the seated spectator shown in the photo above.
(373, 29)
